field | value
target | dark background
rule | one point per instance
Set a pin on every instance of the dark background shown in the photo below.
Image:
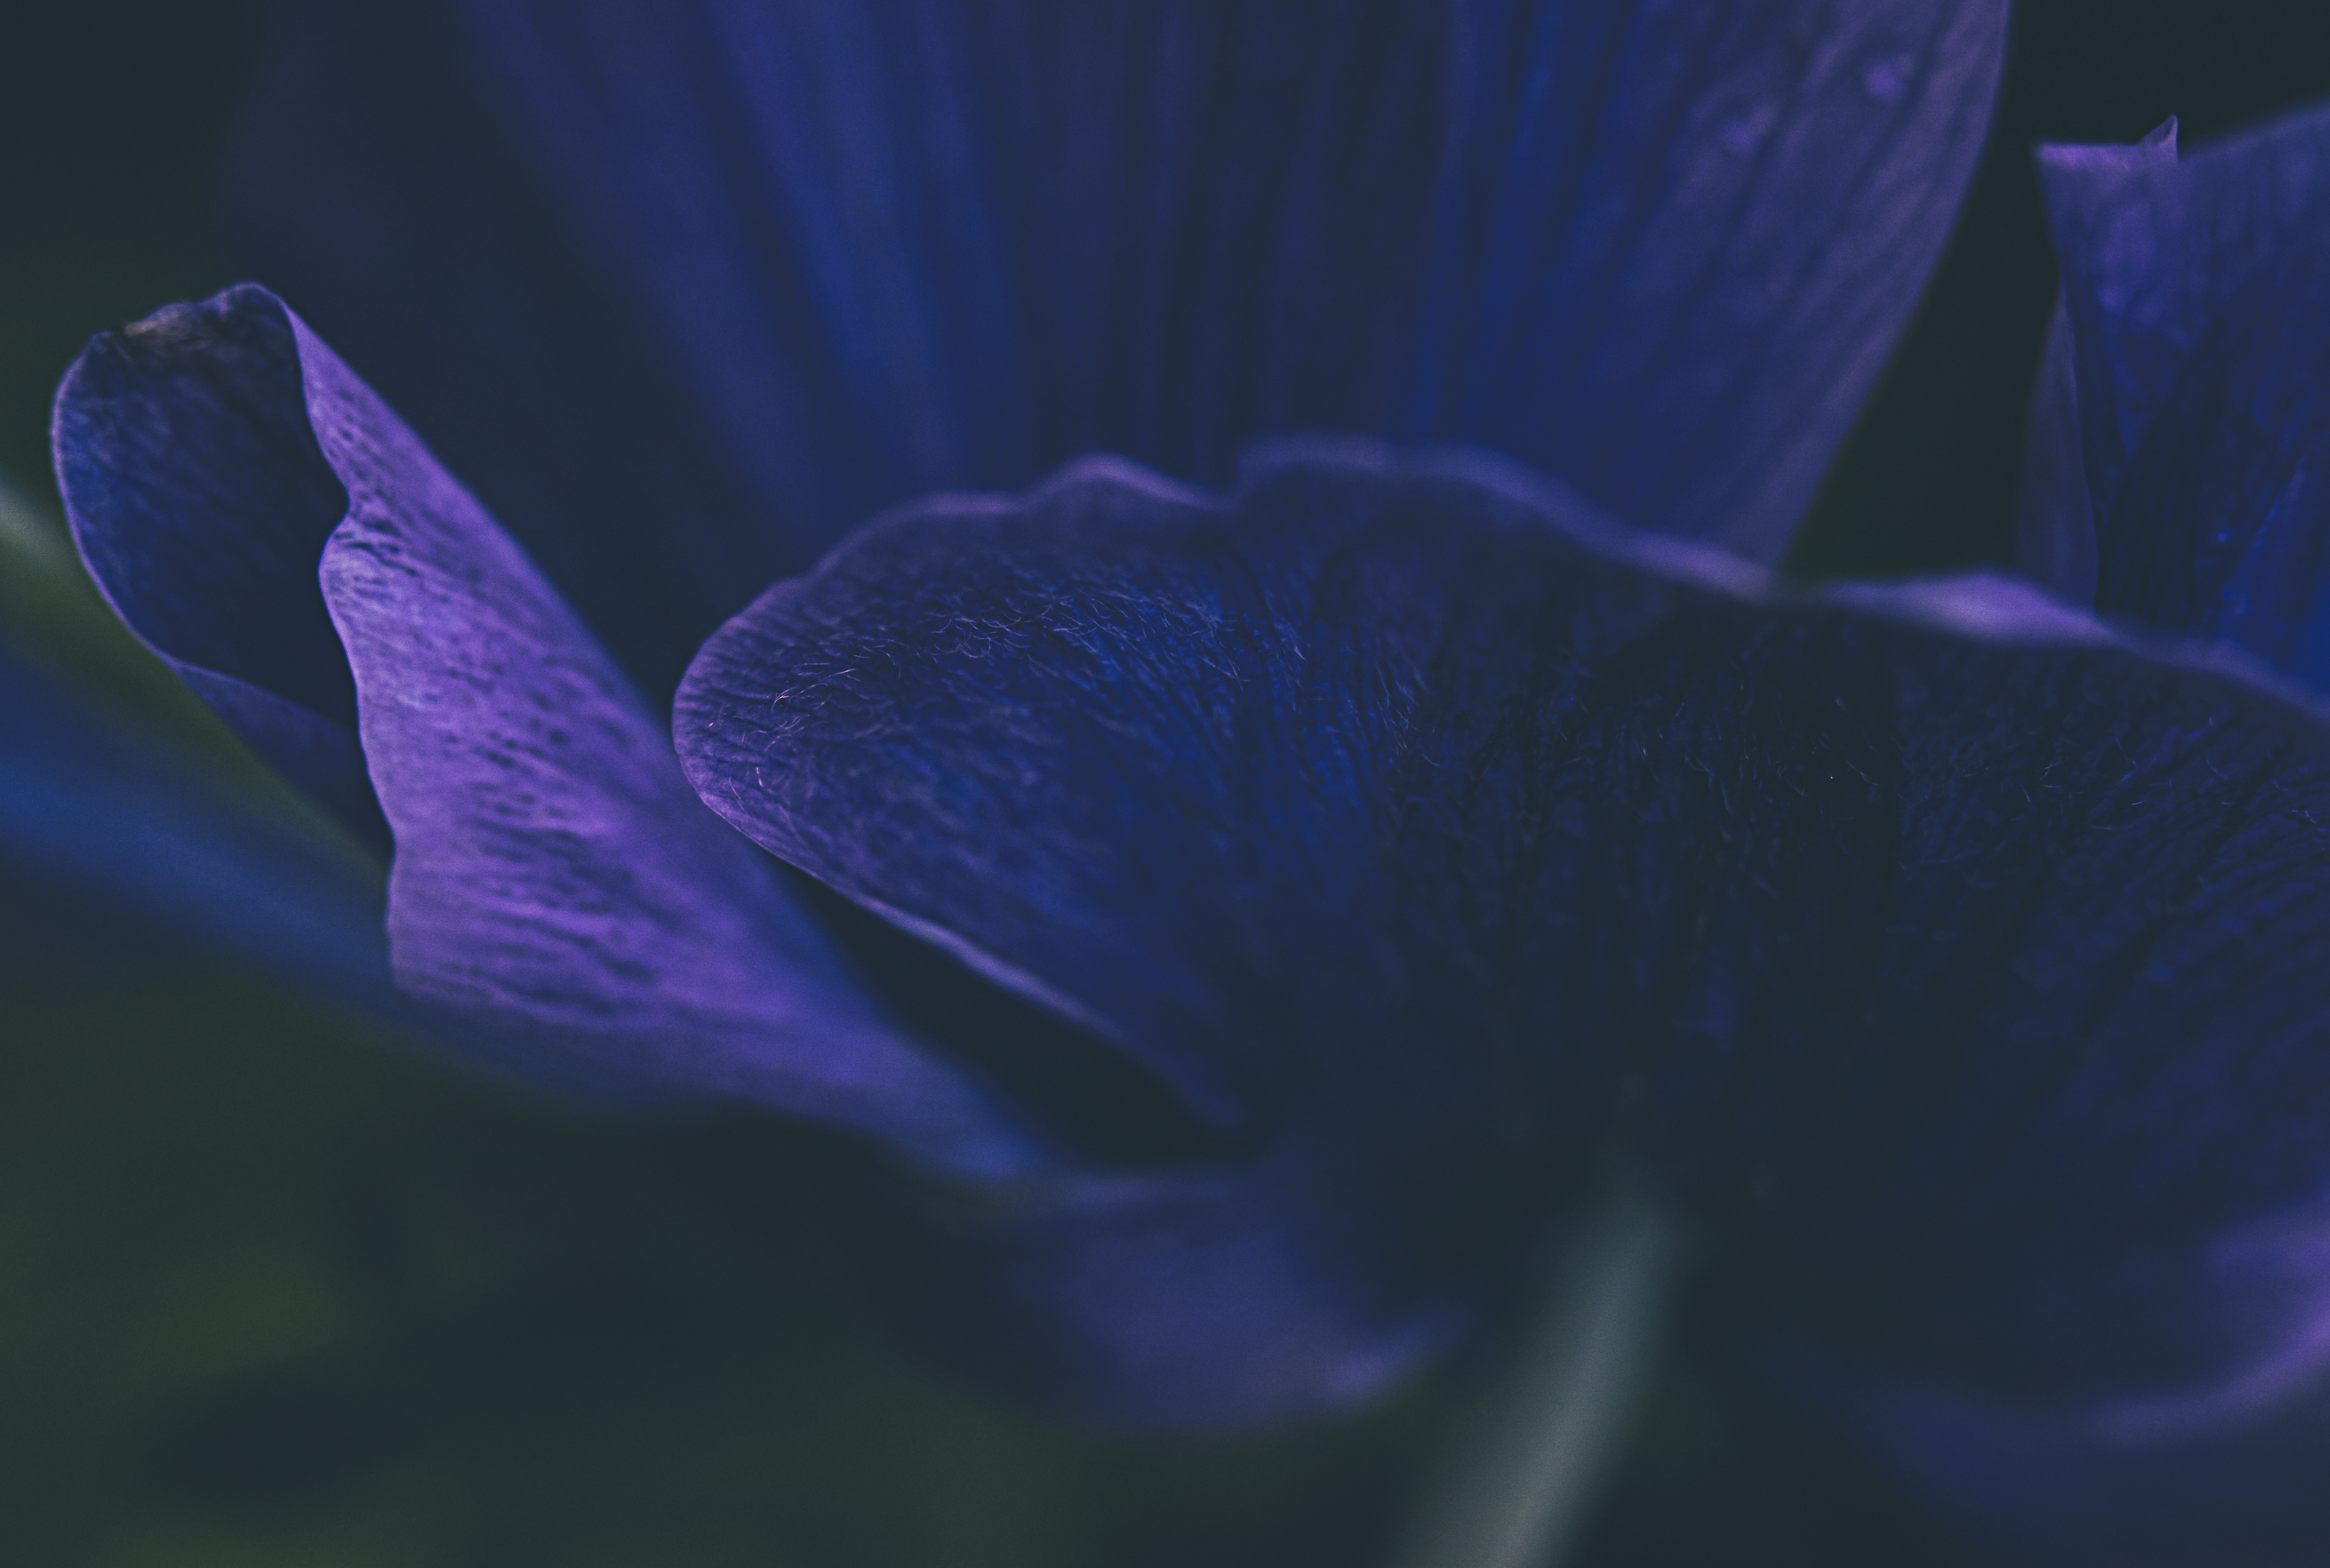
(271, 1292)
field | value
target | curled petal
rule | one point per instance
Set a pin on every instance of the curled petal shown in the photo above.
(555, 881)
(200, 505)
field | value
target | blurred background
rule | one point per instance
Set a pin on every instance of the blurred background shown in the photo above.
(272, 1290)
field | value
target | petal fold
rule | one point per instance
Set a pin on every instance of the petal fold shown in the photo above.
(2199, 330)
(555, 881)
(870, 251)
(1944, 956)
(200, 505)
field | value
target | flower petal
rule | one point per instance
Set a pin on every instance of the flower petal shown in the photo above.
(2198, 299)
(554, 879)
(200, 505)
(874, 252)
(1947, 958)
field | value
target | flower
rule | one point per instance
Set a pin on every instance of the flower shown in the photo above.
(1327, 864)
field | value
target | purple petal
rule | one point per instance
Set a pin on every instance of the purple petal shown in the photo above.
(1946, 958)
(2198, 299)
(554, 879)
(861, 252)
(200, 505)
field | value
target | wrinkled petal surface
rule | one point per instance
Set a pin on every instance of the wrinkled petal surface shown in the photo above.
(1947, 959)
(2197, 295)
(554, 879)
(859, 253)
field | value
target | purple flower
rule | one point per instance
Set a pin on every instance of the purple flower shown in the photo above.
(1248, 885)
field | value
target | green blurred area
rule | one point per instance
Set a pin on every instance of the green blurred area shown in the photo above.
(275, 1295)
(274, 1290)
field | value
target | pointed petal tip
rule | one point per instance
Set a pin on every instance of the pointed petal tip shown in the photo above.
(2185, 411)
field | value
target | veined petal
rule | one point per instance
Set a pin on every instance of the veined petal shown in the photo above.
(871, 251)
(2197, 295)
(555, 880)
(1946, 958)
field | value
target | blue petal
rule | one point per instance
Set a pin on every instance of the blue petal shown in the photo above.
(2198, 299)
(555, 881)
(860, 253)
(1947, 959)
